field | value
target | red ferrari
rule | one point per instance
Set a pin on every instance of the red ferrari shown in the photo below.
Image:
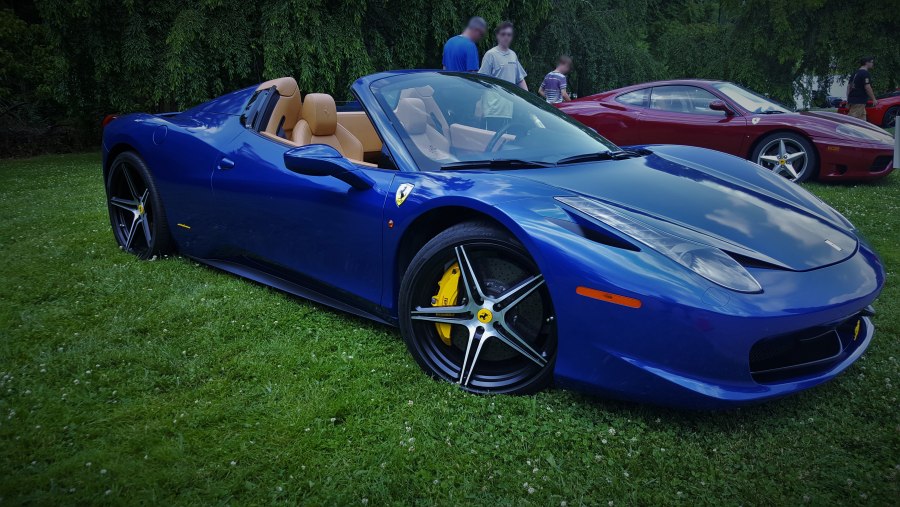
(726, 117)
(884, 114)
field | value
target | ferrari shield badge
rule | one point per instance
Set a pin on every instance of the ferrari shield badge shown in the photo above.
(403, 192)
(755, 120)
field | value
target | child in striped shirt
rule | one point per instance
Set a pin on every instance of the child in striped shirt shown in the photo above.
(554, 86)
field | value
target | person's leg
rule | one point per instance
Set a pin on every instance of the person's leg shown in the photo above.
(858, 111)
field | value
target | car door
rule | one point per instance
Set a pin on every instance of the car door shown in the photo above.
(680, 114)
(316, 231)
(625, 115)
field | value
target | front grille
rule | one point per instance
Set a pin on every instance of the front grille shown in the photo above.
(806, 352)
(880, 164)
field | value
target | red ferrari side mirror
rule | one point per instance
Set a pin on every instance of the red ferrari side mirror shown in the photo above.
(718, 105)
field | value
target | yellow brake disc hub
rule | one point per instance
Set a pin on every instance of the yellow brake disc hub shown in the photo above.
(447, 295)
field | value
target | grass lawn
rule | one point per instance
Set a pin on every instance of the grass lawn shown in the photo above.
(165, 382)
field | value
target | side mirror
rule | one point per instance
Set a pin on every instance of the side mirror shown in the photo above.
(718, 105)
(323, 160)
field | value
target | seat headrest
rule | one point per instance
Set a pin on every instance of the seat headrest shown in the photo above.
(412, 115)
(320, 113)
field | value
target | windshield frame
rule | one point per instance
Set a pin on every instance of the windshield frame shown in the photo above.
(718, 85)
(369, 91)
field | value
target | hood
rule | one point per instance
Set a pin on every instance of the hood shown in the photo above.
(755, 217)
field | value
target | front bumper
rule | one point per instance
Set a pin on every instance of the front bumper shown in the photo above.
(689, 343)
(848, 160)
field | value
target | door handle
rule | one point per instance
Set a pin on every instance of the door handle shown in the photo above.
(226, 163)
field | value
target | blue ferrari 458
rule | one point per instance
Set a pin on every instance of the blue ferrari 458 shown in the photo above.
(512, 246)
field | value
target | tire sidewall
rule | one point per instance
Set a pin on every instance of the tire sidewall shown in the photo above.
(162, 240)
(812, 156)
(454, 236)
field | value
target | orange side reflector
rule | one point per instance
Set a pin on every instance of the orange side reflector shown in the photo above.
(608, 297)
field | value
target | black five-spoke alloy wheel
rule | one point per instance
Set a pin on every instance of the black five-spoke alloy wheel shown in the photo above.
(135, 210)
(496, 332)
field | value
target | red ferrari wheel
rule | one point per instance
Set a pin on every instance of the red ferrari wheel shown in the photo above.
(787, 154)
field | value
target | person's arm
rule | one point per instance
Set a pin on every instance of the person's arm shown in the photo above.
(522, 74)
(871, 95)
(487, 65)
(541, 91)
(564, 89)
(565, 95)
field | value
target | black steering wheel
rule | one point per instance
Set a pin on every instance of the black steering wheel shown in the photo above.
(497, 136)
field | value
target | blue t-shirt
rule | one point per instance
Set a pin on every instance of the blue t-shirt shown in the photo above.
(460, 55)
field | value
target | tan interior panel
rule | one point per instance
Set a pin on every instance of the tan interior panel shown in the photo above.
(279, 139)
(468, 138)
(358, 123)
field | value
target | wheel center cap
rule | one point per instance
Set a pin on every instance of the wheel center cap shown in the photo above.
(485, 316)
(140, 209)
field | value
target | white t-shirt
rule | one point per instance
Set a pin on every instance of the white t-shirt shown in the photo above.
(502, 65)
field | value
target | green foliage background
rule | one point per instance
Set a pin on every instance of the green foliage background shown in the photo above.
(68, 62)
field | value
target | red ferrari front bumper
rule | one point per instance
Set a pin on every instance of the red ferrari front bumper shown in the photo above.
(849, 160)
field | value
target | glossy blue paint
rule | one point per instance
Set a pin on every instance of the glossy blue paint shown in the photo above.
(687, 345)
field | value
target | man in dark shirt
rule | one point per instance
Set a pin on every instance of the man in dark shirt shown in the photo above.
(859, 90)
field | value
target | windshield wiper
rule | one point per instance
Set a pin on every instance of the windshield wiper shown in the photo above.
(771, 111)
(603, 155)
(495, 163)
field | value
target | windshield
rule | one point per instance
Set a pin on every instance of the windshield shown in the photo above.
(450, 118)
(748, 100)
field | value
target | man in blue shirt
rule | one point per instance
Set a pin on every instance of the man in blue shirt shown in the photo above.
(460, 52)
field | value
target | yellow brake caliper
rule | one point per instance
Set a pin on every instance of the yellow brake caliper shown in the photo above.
(448, 292)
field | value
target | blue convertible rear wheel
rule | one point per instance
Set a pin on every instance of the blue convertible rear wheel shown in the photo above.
(476, 311)
(135, 209)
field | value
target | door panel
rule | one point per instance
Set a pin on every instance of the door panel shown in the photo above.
(316, 230)
(680, 115)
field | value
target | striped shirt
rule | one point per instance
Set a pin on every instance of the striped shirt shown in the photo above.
(553, 85)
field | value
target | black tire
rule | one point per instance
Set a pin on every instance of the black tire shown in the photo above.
(890, 118)
(135, 208)
(769, 146)
(502, 269)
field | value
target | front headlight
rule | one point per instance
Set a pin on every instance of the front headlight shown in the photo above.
(708, 262)
(857, 132)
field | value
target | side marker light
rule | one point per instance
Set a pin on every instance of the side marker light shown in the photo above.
(608, 297)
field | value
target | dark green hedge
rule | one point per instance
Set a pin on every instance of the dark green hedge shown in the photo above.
(64, 63)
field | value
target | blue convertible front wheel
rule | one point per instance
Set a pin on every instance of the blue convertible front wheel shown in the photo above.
(475, 310)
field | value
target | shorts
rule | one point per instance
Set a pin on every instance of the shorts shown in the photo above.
(858, 111)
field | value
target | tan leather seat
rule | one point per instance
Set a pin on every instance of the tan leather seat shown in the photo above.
(426, 93)
(318, 125)
(287, 109)
(412, 114)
